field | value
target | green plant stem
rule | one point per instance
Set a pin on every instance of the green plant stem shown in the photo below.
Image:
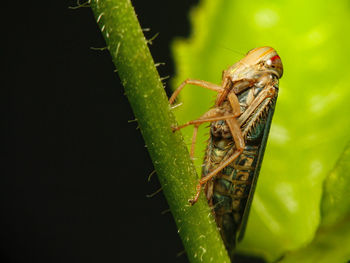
(176, 173)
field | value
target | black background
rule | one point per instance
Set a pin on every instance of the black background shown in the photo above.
(76, 180)
(76, 186)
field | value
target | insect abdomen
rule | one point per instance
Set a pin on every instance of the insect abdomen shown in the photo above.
(231, 189)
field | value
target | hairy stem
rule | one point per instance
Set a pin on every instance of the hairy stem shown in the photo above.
(176, 173)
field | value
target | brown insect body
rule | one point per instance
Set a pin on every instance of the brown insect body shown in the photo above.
(240, 122)
(231, 191)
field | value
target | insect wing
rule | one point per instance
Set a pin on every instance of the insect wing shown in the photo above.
(261, 152)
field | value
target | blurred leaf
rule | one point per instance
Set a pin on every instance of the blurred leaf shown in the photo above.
(336, 197)
(311, 123)
(330, 245)
(332, 240)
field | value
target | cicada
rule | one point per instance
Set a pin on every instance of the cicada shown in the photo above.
(240, 123)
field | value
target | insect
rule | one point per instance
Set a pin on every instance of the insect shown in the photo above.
(240, 122)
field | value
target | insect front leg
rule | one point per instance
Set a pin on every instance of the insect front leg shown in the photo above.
(209, 116)
(212, 115)
(200, 83)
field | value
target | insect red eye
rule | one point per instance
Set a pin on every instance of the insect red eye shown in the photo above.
(276, 64)
(275, 57)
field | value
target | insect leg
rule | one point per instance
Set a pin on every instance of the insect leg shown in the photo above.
(204, 180)
(236, 108)
(211, 115)
(194, 137)
(239, 143)
(201, 120)
(200, 83)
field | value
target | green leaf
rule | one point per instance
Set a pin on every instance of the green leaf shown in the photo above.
(311, 124)
(330, 245)
(336, 197)
(332, 240)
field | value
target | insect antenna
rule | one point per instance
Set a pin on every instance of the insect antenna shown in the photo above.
(235, 51)
(232, 50)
